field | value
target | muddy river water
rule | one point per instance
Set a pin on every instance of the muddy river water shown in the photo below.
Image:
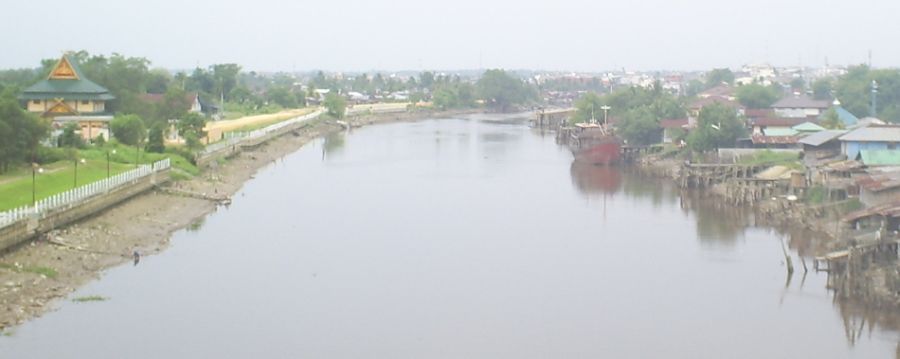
(458, 238)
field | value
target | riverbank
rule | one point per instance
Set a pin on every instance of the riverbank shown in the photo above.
(873, 282)
(38, 274)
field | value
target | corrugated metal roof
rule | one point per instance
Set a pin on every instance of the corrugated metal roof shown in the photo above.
(874, 134)
(808, 127)
(777, 121)
(819, 138)
(880, 157)
(779, 131)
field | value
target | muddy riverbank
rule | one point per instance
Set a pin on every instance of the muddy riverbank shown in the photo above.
(39, 273)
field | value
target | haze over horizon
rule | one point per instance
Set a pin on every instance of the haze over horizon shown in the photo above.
(358, 35)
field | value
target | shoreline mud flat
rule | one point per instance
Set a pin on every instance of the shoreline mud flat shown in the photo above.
(38, 274)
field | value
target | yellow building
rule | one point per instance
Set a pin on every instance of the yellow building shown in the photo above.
(67, 96)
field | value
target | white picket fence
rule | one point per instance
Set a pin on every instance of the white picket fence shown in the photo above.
(78, 194)
(235, 138)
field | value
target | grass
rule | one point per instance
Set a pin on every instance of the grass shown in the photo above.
(772, 158)
(816, 195)
(45, 271)
(9, 333)
(16, 186)
(89, 298)
(236, 110)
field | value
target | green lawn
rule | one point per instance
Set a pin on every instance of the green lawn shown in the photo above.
(57, 177)
(16, 185)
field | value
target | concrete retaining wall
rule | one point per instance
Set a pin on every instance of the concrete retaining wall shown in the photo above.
(20, 232)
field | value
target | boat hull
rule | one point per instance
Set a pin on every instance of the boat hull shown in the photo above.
(603, 154)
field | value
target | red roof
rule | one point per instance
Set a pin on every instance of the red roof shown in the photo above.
(879, 182)
(891, 209)
(759, 112)
(778, 121)
(673, 122)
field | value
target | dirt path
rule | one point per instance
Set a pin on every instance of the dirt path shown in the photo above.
(35, 275)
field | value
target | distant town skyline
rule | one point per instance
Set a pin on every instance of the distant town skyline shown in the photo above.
(358, 35)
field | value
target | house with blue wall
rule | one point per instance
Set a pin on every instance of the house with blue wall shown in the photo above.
(870, 138)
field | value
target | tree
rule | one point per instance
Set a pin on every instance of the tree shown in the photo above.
(640, 127)
(70, 137)
(453, 95)
(192, 123)
(831, 120)
(821, 89)
(128, 129)
(20, 132)
(588, 106)
(756, 95)
(694, 87)
(718, 77)
(156, 138)
(501, 91)
(282, 96)
(225, 76)
(426, 79)
(335, 104)
(717, 126)
(175, 105)
(854, 90)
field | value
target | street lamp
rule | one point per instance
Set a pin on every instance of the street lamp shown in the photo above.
(35, 169)
(107, 161)
(76, 171)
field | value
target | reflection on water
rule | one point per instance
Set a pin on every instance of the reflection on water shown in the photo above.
(722, 225)
(332, 143)
(590, 179)
(459, 239)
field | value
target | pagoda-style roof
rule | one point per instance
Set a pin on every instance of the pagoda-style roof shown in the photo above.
(66, 82)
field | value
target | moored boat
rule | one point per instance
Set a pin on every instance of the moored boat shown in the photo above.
(595, 144)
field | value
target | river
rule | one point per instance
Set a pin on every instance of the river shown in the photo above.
(459, 238)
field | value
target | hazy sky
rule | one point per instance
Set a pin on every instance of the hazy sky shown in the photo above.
(459, 34)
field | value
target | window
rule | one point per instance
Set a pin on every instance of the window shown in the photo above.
(892, 146)
(36, 102)
(85, 102)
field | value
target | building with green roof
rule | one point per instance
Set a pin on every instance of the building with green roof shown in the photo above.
(880, 157)
(67, 96)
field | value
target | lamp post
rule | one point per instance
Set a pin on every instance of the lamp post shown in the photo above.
(35, 169)
(107, 161)
(76, 170)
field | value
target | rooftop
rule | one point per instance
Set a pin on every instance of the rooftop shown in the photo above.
(777, 121)
(880, 157)
(66, 81)
(820, 138)
(873, 134)
(801, 102)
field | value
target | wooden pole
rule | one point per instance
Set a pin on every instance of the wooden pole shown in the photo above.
(787, 258)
